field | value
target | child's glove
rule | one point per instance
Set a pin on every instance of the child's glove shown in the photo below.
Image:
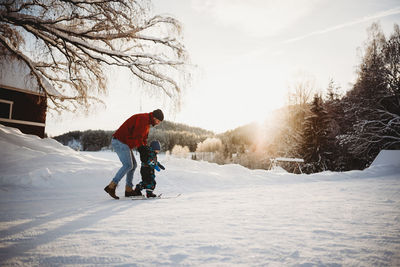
(161, 166)
(157, 168)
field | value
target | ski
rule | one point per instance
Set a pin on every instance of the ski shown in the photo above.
(168, 196)
(160, 196)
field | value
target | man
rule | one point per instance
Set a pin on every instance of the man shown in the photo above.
(131, 134)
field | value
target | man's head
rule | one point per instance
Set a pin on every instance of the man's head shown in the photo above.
(158, 116)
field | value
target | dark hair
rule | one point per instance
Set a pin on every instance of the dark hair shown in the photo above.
(158, 114)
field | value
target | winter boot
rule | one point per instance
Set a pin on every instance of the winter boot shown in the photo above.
(136, 192)
(110, 189)
(129, 191)
(150, 194)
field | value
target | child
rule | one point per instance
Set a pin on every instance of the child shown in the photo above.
(148, 156)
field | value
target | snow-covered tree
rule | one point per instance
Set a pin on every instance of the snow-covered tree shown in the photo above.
(69, 45)
(391, 58)
(372, 106)
(380, 131)
(315, 136)
(180, 151)
(333, 92)
(211, 144)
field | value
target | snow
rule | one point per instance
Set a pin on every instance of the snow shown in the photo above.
(15, 73)
(289, 159)
(278, 169)
(387, 157)
(54, 212)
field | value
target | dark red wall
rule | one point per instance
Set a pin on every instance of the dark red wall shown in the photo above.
(26, 107)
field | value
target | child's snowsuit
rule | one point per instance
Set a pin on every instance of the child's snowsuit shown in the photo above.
(149, 164)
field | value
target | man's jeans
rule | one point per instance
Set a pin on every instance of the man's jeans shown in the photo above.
(128, 162)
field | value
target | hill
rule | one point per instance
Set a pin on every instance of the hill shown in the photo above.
(181, 127)
(168, 133)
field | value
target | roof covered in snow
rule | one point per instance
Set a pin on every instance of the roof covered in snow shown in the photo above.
(387, 157)
(15, 73)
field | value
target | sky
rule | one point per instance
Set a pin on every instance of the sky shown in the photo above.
(247, 55)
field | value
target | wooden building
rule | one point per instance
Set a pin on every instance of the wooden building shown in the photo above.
(22, 105)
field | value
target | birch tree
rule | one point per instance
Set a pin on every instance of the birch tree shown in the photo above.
(69, 45)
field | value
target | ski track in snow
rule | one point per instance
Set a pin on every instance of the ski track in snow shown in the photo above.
(54, 212)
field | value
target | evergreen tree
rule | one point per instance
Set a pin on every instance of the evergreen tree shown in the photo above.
(333, 92)
(315, 136)
(334, 106)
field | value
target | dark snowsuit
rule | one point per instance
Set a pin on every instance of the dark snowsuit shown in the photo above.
(149, 164)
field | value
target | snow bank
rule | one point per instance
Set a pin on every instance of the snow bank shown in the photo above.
(387, 158)
(27, 160)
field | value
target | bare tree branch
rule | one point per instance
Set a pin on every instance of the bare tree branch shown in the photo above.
(78, 38)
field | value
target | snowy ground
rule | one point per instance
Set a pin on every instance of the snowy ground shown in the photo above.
(54, 212)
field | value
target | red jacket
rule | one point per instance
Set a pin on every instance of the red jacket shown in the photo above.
(135, 130)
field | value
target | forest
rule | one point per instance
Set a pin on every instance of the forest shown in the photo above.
(331, 131)
(334, 131)
(168, 133)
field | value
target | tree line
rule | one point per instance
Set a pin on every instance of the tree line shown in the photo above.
(168, 133)
(348, 132)
(335, 131)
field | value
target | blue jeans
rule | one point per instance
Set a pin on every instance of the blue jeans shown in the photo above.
(128, 162)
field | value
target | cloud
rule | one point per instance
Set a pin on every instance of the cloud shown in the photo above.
(258, 18)
(378, 15)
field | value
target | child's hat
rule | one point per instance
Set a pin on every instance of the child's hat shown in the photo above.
(155, 145)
